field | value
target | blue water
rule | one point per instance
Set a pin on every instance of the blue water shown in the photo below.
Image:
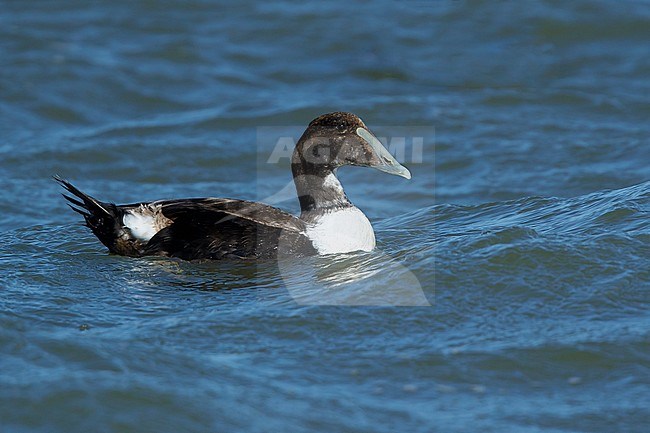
(525, 227)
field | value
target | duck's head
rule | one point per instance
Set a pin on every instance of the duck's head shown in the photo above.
(337, 139)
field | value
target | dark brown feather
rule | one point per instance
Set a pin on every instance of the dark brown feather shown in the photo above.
(212, 228)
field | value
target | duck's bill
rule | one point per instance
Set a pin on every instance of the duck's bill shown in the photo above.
(388, 163)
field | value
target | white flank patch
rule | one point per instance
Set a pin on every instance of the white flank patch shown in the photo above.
(142, 226)
(342, 231)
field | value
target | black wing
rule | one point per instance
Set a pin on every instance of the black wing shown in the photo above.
(212, 228)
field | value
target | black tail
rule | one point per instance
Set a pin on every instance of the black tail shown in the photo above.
(104, 219)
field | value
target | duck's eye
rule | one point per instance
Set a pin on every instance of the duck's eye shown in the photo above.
(341, 127)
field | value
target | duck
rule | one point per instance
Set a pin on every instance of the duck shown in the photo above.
(225, 228)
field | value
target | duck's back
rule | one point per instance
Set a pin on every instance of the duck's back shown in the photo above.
(190, 229)
(225, 228)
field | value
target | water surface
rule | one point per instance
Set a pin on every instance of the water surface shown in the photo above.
(525, 226)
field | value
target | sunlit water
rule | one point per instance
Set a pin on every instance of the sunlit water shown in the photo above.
(526, 226)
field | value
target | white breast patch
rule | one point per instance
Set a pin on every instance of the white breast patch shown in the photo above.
(342, 231)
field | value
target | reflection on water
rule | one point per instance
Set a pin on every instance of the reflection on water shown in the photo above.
(352, 279)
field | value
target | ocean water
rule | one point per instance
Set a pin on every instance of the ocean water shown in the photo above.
(510, 290)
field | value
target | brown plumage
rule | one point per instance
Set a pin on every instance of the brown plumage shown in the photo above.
(218, 228)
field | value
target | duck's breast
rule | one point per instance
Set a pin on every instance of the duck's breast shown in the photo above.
(341, 231)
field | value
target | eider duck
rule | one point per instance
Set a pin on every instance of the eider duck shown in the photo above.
(220, 228)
